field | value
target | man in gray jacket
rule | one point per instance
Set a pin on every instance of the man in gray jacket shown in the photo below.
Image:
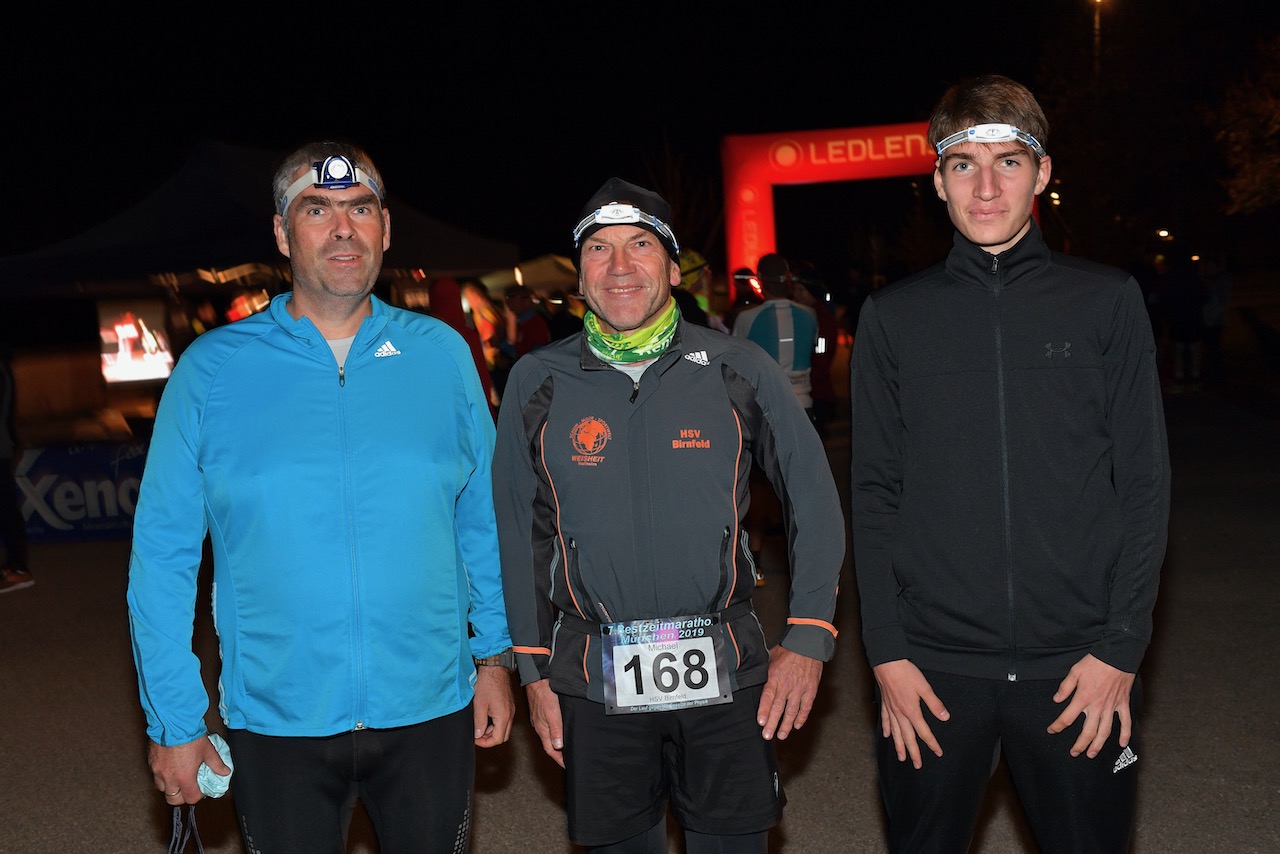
(620, 482)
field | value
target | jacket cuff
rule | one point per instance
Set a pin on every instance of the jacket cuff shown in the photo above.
(1123, 652)
(888, 643)
(812, 641)
(532, 667)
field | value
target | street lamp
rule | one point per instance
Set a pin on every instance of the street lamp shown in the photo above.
(1097, 39)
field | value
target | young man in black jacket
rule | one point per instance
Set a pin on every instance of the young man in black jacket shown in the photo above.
(1010, 504)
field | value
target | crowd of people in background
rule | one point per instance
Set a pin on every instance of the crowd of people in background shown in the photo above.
(1187, 298)
(505, 322)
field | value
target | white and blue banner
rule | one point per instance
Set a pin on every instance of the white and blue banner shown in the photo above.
(80, 492)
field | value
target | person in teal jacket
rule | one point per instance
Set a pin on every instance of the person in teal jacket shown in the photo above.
(336, 452)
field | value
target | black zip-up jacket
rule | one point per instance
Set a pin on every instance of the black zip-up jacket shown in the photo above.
(620, 500)
(1010, 470)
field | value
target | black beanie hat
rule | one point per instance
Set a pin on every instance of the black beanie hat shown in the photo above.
(648, 203)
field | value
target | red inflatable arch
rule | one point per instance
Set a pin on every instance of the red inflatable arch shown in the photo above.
(753, 165)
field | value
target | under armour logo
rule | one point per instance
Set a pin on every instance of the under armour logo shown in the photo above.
(1065, 350)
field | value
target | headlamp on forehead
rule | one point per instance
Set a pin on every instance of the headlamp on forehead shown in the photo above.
(333, 173)
(621, 214)
(995, 132)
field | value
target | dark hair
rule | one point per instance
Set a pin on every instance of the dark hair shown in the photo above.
(989, 98)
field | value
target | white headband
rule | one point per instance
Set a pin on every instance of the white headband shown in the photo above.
(994, 132)
(333, 173)
(615, 213)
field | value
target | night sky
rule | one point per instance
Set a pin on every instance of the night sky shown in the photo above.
(499, 122)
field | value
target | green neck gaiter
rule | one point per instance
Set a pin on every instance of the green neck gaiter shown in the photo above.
(639, 345)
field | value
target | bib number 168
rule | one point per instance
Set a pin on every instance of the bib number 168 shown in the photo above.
(681, 673)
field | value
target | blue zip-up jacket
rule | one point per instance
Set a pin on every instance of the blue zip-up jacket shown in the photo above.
(1010, 466)
(350, 517)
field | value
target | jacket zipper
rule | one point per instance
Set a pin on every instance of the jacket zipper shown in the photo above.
(1004, 470)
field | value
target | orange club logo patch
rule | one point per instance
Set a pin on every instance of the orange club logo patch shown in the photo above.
(589, 436)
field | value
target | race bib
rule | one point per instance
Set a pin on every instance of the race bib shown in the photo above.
(666, 663)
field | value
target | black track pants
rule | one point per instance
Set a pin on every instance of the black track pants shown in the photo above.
(1072, 804)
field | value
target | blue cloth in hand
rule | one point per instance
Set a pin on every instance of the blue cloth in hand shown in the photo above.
(211, 784)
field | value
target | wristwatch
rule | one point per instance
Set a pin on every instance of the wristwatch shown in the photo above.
(505, 659)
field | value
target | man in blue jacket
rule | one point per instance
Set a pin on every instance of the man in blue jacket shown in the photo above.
(336, 452)
(1010, 504)
(621, 476)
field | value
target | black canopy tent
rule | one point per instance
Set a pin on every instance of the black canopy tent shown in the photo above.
(213, 217)
(203, 236)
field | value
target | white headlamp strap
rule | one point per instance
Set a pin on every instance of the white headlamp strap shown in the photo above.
(620, 214)
(334, 173)
(994, 132)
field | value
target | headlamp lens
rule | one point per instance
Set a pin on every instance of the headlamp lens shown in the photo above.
(335, 173)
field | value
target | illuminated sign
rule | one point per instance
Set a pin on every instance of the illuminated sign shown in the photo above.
(753, 165)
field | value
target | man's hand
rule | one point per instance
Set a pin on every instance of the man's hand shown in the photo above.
(174, 769)
(788, 695)
(494, 708)
(544, 714)
(1101, 692)
(902, 688)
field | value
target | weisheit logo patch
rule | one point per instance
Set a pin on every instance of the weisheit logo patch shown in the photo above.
(589, 437)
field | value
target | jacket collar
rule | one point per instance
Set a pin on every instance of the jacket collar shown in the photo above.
(307, 331)
(971, 264)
